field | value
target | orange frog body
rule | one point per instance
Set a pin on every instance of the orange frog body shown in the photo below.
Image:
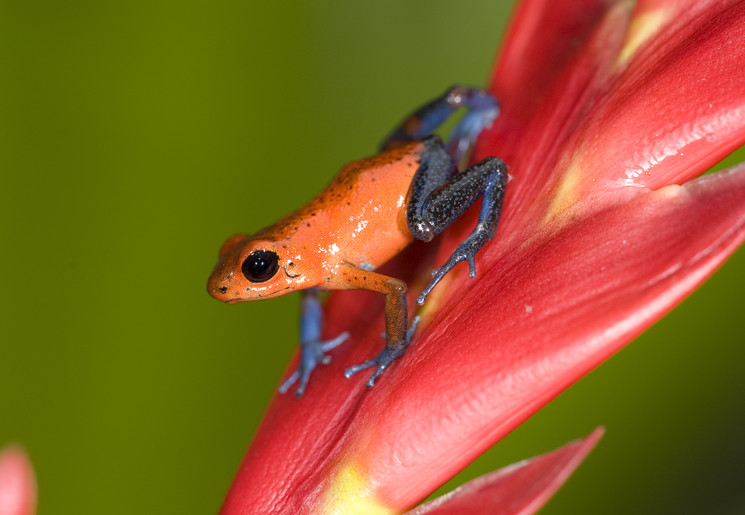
(359, 219)
(369, 213)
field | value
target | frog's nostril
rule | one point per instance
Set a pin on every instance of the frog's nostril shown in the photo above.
(223, 289)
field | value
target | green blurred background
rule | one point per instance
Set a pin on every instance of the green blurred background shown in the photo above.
(137, 136)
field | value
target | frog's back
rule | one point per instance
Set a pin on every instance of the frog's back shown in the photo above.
(361, 214)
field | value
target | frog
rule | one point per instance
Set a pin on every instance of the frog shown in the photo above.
(369, 212)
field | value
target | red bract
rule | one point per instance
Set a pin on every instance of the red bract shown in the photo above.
(609, 112)
(17, 483)
(519, 489)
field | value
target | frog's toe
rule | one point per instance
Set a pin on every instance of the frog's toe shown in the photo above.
(332, 344)
(376, 374)
(465, 252)
(385, 358)
(284, 387)
(311, 354)
(358, 368)
(381, 362)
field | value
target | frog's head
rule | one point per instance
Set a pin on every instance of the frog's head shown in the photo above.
(251, 268)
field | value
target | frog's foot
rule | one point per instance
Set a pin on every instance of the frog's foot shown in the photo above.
(466, 251)
(311, 354)
(385, 358)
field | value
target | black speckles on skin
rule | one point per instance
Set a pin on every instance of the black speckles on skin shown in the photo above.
(438, 200)
(307, 225)
(340, 192)
(435, 168)
(223, 289)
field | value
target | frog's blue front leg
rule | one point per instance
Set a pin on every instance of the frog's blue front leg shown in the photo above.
(312, 349)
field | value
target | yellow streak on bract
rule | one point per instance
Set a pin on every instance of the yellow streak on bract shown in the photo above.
(567, 192)
(350, 493)
(642, 28)
(439, 294)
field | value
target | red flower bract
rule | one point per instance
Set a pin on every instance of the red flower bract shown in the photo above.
(609, 110)
(519, 489)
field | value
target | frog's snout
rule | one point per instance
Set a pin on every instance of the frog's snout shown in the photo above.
(221, 293)
(218, 285)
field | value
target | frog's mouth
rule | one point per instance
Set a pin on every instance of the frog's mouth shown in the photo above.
(257, 296)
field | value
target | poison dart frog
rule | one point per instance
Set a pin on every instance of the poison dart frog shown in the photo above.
(369, 212)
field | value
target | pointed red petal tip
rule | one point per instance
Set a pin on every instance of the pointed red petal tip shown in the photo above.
(520, 489)
(17, 483)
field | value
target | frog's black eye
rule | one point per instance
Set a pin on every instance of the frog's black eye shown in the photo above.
(260, 266)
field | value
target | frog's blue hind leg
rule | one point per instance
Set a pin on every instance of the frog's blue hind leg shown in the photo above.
(439, 195)
(483, 109)
(437, 198)
(312, 349)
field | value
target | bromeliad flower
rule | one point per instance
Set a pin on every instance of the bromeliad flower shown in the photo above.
(610, 111)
